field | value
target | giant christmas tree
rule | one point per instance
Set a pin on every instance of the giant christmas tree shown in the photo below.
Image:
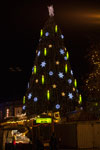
(52, 86)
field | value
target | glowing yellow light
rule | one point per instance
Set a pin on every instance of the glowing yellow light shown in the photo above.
(45, 51)
(57, 62)
(67, 55)
(41, 33)
(42, 79)
(73, 89)
(36, 80)
(96, 104)
(66, 68)
(63, 94)
(65, 49)
(54, 86)
(75, 83)
(56, 121)
(36, 51)
(80, 99)
(48, 94)
(49, 114)
(34, 69)
(57, 115)
(56, 28)
(50, 46)
(23, 99)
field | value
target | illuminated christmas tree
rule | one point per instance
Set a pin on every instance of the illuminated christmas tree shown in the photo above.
(52, 86)
(93, 79)
(92, 82)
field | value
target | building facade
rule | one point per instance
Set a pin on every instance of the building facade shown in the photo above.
(10, 109)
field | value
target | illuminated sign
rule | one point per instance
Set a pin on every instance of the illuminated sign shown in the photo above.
(43, 120)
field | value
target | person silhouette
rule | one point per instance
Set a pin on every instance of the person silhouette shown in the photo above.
(39, 144)
(53, 142)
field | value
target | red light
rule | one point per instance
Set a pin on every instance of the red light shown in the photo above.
(14, 142)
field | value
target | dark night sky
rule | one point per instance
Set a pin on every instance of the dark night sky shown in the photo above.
(20, 24)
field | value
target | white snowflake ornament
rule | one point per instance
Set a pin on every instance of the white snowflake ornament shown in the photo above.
(60, 74)
(43, 64)
(29, 95)
(70, 95)
(62, 52)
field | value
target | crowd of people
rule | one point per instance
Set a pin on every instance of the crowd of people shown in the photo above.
(53, 144)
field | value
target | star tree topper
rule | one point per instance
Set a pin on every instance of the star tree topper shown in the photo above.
(51, 11)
